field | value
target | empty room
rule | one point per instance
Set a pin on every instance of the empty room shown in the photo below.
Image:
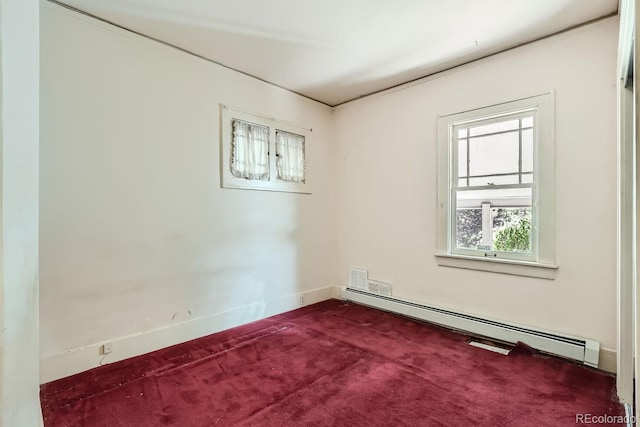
(319, 213)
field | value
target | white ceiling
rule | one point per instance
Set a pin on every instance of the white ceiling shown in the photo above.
(337, 50)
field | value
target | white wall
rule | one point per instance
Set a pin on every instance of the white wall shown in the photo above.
(386, 185)
(19, 342)
(139, 244)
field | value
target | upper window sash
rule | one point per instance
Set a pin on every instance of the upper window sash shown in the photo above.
(461, 134)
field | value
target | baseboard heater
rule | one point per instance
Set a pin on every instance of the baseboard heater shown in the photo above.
(582, 350)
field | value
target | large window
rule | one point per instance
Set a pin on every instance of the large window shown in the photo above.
(262, 153)
(496, 187)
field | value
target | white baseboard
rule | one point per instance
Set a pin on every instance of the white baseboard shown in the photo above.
(76, 360)
(336, 292)
(608, 360)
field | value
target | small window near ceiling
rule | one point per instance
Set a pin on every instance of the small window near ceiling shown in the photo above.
(495, 194)
(262, 153)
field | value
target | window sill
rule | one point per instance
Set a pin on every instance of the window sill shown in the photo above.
(516, 268)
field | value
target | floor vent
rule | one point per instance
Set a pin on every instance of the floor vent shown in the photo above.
(579, 349)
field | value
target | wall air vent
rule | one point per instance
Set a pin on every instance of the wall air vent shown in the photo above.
(379, 288)
(358, 278)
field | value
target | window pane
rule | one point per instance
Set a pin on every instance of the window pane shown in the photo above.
(462, 157)
(462, 182)
(493, 180)
(527, 178)
(468, 228)
(495, 154)
(495, 127)
(250, 151)
(507, 226)
(511, 229)
(527, 150)
(290, 161)
(527, 122)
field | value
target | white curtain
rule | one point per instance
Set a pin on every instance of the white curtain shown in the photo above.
(290, 161)
(250, 151)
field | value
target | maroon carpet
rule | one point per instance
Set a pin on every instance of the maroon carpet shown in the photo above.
(331, 364)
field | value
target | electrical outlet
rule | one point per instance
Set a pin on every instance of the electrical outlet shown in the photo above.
(301, 299)
(107, 348)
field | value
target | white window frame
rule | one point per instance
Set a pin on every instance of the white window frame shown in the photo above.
(541, 261)
(228, 180)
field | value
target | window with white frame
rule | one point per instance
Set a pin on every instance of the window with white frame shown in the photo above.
(262, 153)
(495, 195)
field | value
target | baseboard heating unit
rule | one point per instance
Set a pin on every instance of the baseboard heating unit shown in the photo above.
(582, 350)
